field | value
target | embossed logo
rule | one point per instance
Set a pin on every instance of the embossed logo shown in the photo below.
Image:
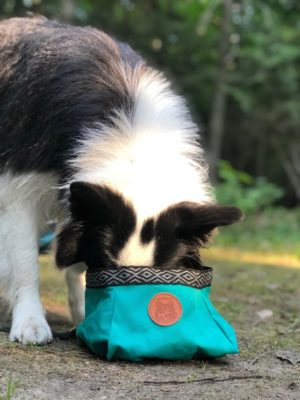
(165, 309)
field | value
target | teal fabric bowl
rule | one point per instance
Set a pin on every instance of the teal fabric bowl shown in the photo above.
(119, 324)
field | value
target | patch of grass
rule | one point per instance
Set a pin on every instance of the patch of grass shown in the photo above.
(273, 230)
(240, 291)
(10, 389)
(53, 287)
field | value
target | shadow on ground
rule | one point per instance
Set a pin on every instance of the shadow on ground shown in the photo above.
(242, 293)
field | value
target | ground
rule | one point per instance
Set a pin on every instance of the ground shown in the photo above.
(261, 300)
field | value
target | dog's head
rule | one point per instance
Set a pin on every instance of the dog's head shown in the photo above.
(104, 230)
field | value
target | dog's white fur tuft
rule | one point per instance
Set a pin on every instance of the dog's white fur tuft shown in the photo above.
(150, 155)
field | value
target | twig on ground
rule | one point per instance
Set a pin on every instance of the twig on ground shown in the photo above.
(208, 380)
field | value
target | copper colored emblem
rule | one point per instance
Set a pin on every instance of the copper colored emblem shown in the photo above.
(165, 309)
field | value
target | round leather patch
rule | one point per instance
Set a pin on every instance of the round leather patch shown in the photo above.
(165, 309)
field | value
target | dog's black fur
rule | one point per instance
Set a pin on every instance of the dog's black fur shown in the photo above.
(55, 79)
(96, 211)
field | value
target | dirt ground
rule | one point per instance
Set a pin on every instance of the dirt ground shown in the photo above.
(261, 301)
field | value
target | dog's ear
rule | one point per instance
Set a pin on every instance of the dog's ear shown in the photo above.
(198, 221)
(90, 206)
(91, 202)
(68, 244)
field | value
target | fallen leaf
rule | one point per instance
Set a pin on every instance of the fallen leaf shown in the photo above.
(264, 314)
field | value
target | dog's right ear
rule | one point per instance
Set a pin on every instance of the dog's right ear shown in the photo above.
(68, 245)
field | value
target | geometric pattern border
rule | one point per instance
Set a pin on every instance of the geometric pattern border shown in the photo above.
(120, 276)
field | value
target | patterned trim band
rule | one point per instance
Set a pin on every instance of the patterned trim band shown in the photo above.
(120, 276)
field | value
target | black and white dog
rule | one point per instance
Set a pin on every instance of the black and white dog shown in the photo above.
(93, 136)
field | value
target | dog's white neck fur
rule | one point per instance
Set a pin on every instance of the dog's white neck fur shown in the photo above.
(150, 156)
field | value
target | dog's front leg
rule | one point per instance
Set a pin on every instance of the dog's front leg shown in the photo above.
(75, 279)
(20, 274)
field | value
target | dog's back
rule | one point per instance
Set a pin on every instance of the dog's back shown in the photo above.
(53, 79)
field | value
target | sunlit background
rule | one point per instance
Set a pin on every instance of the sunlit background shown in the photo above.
(238, 64)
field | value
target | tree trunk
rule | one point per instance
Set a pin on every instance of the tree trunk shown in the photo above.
(290, 161)
(67, 10)
(217, 116)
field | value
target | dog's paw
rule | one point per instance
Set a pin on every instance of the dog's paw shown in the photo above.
(31, 331)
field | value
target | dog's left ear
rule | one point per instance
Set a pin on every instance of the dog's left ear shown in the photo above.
(198, 221)
(68, 244)
(92, 202)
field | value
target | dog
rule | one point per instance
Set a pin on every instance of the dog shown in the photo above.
(94, 137)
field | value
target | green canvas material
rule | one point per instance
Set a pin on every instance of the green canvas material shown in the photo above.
(117, 324)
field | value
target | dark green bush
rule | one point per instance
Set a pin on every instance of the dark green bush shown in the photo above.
(242, 190)
(273, 230)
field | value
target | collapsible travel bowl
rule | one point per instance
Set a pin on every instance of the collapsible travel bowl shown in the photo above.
(134, 313)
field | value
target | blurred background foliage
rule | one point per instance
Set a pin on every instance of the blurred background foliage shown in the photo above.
(238, 64)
